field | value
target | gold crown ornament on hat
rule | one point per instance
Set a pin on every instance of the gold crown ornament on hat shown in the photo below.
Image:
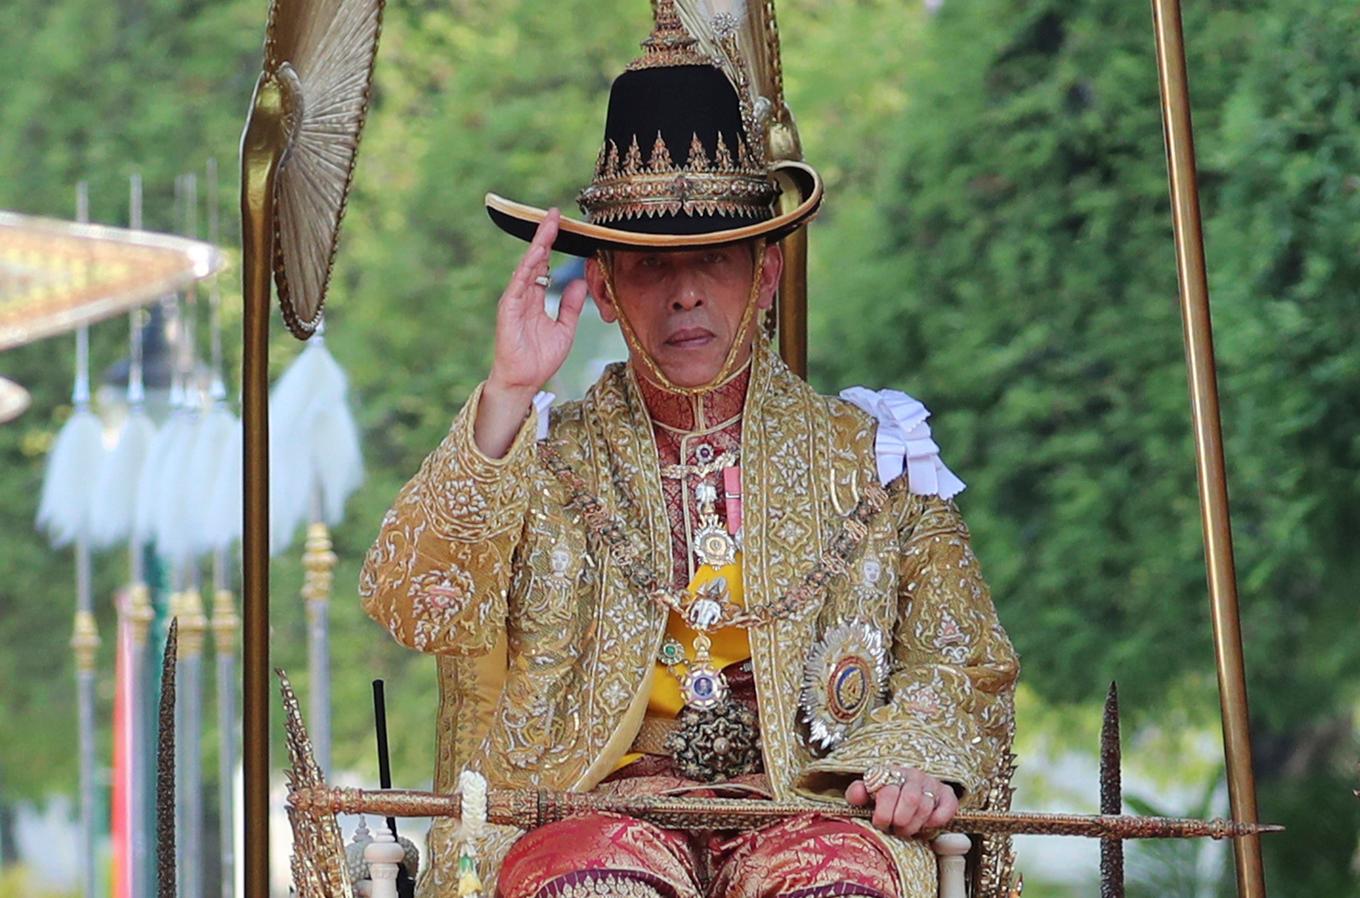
(683, 162)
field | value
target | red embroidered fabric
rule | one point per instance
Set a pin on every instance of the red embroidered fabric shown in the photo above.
(808, 856)
(693, 430)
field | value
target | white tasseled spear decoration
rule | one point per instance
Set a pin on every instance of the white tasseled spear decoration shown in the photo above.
(318, 451)
(113, 522)
(64, 514)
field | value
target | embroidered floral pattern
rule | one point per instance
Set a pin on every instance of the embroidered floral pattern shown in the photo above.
(536, 676)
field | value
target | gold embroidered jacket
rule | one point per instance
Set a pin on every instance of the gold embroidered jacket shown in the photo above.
(547, 653)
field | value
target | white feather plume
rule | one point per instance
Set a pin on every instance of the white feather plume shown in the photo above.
(68, 483)
(115, 497)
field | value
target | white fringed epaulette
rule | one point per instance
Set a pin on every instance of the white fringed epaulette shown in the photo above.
(542, 403)
(904, 442)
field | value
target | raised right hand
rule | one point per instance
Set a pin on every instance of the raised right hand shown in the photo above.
(530, 344)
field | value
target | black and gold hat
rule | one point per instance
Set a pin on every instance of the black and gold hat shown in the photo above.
(683, 162)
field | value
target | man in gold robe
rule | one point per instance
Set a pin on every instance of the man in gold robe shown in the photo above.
(703, 578)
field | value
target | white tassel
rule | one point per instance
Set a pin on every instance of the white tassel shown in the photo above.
(151, 479)
(223, 525)
(318, 441)
(224, 522)
(212, 444)
(73, 466)
(115, 495)
(336, 460)
(171, 523)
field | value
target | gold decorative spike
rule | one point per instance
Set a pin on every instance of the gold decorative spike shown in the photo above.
(166, 884)
(698, 156)
(660, 160)
(225, 623)
(669, 44)
(140, 613)
(193, 624)
(84, 641)
(318, 862)
(319, 563)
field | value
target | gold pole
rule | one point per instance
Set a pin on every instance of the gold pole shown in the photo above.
(263, 146)
(1213, 487)
(792, 307)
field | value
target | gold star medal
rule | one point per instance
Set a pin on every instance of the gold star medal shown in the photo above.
(845, 677)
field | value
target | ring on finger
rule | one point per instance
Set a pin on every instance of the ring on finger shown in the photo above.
(878, 776)
(543, 280)
(931, 795)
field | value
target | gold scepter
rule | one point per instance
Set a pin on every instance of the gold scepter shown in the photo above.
(531, 808)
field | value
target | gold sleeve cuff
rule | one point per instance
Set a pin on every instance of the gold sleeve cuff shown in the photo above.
(898, 744)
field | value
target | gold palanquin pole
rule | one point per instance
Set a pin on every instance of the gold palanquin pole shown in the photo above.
(784, 145)
(1213, 487)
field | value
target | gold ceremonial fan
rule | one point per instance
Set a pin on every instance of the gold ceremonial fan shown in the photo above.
(298, 152)
(309, 109)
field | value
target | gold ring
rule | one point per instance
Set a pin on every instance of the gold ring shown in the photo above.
(878, 776)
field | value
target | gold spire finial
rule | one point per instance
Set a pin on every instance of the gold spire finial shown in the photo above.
(669, 44)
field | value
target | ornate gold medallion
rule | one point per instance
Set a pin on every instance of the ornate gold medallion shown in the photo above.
(715, 743)
(843, 680)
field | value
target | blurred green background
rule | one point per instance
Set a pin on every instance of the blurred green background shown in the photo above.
(996, 241)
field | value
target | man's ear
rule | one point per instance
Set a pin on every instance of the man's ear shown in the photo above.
(595, 280)
(772, 266)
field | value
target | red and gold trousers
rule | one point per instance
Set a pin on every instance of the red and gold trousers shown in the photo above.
(598, 855)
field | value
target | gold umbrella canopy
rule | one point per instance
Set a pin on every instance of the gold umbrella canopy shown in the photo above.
(58, 275)
(321, 54)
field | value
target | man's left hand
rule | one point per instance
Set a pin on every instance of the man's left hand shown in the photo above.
(921, 802)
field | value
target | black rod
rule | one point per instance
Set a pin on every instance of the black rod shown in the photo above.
(384, 756)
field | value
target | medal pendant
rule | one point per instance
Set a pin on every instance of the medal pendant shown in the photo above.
(715, 546)
(704, 686)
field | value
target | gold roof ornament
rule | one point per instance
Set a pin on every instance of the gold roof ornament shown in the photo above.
(58, 275)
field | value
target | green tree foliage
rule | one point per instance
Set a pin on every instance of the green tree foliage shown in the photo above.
(1023, 283)
(995, 241)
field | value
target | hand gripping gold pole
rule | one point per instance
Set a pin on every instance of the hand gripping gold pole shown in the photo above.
(264, 145)
(1213, 487)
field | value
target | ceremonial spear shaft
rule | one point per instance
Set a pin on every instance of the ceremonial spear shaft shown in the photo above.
(528, 808)
(1213, 488)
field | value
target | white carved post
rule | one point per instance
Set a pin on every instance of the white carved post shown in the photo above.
(384, 858)
(951, 848)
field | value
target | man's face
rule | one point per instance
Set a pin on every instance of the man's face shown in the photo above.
(686, 306)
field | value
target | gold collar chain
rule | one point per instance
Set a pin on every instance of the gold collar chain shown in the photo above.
(612, 532)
